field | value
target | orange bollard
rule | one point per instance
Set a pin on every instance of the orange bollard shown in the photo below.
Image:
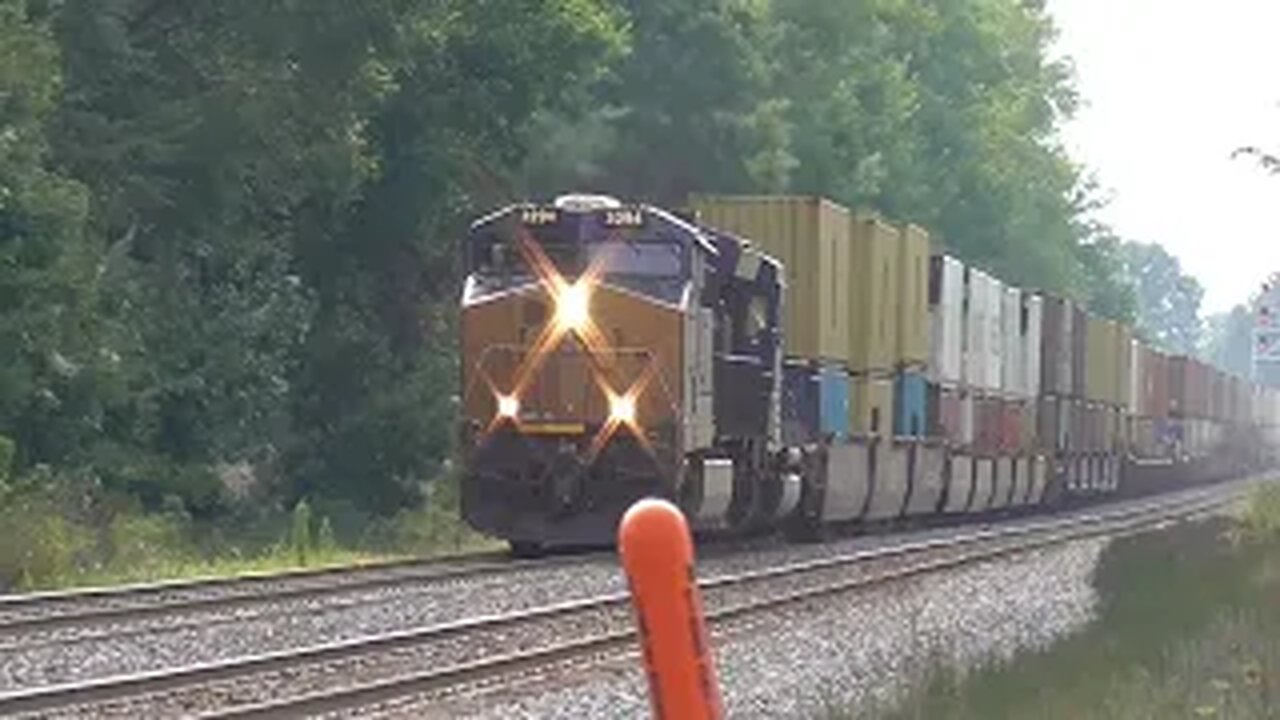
(657, 554)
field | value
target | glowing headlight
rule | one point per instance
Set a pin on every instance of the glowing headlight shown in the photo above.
(622, 409)
(573, 312)
(508, 406)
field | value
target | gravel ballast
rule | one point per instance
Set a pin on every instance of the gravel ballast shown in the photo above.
(852, 650)
(210, 636)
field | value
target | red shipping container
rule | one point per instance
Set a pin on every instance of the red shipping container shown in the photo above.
(1156, 404)
(988, 415)
(1010, 426)
(1179, 376)
(949, 417)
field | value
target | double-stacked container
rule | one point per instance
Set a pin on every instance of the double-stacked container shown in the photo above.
(984, 305)
(952, 405)
(1056, 406)
(871, 296)
(911, 357)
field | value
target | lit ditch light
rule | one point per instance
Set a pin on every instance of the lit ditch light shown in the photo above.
(622, 410)
(508, 407)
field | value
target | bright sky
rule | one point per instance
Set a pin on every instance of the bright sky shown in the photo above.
(1170, 88)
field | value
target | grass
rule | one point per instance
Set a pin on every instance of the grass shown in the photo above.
(1189, 627)
(47, 542)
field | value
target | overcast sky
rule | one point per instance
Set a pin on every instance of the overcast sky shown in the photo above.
(1170, 88)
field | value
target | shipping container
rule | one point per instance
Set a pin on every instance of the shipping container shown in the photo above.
(810, 237)
(1079, 435)
(1010, 426)
(871, 292)
(1052, 424)
(1136, 383)
(1079, 342)
(871, 406)
(1179, 371)
(982, 351)
(1011, 345)
(946, 319)
(989, 424)
(1097, 356)
(968, 420)
(1122, 342)
(1032, 326)
(1030, 422)
(1156, 380)
(834, 401)
(1055, 346)
(910, 398)
(913, 297)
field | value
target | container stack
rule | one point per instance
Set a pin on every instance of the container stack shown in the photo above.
(1056, 411)
(951, 406)
(911, 381)
(1012, 372)
(871, 294)
(984, 302)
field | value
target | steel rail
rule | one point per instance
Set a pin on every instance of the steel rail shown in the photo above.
(1053, 531)
(26, 614)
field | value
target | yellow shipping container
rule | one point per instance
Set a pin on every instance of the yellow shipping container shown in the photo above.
(913, 301)
(1122, 343)
(872, 290)
(1097, 359)
(871, 406)
(810, 236)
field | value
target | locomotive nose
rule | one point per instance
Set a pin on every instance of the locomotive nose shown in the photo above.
(564, 479)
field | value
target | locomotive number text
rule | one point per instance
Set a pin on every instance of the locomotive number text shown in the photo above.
(623, 218)
(538, 216)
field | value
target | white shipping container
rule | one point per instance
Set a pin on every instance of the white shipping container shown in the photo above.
(975, 329)
(995, 344)
(1034, 315)
(1137, 378)
(946, 320)
(967, 428)
(1011, 343)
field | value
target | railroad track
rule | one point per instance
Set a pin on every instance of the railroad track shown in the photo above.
(98, 612)
(436, 661)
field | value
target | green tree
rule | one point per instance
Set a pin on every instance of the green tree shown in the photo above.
(50, 365)
(1168, 300)
(687, 108)
(1228, 341)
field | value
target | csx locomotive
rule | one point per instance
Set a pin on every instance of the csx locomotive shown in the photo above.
(614, 351)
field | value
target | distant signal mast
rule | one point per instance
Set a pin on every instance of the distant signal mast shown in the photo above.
(1266, 334)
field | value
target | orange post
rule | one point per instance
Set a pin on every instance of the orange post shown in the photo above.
(657, 554)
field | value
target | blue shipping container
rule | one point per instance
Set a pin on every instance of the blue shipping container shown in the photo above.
(835, 402)
(910, 402)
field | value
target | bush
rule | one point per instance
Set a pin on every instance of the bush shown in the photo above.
(39, 544)
(1260, 521)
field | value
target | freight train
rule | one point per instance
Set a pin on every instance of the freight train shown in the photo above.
(784, 364)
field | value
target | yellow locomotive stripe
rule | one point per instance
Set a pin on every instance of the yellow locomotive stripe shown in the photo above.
(554, 428)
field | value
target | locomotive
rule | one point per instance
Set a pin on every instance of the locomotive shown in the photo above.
(613, 351)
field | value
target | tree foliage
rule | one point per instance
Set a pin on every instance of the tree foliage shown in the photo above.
(228, 230)
(1168, 300)
(1228, 341)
